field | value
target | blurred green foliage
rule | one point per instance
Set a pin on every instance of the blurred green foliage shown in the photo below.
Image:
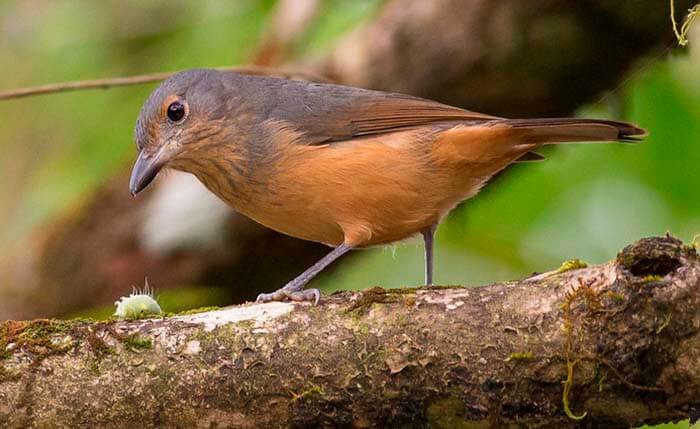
(583, 202)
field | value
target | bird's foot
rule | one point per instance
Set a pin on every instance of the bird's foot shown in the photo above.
(284, 294)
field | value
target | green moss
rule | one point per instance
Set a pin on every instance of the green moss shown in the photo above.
(571, 264)
(38, 337)
(617, 297)
(601, 382)
(314, 390)
(520, 356)
(7, 375)
(652, 278)
(42, 329)
(363, 329)
(196, 310)
(568, 383)
(665, 323)
(4, 342)
(134, 342)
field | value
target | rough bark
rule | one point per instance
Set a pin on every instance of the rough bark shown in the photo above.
(617, 344)
(508, 57)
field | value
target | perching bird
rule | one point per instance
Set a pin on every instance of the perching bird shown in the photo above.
(343, 166)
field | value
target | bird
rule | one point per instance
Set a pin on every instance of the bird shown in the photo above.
(344, 166)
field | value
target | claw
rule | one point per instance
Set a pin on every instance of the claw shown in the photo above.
(312, 295)
(277, 295)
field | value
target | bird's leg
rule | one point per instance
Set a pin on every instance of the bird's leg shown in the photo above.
(429, 240)
(294, 290)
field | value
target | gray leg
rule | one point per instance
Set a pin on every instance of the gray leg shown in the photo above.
(429, 239)
(294, 290)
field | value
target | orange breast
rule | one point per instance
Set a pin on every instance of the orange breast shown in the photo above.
(374, 190)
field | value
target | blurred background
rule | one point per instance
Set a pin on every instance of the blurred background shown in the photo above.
(73, 240)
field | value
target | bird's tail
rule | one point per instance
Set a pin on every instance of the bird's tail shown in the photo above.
(567, 130)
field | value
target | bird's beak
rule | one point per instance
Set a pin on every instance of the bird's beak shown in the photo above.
(145, 170)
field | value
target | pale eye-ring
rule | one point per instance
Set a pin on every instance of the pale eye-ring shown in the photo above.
(176, 111)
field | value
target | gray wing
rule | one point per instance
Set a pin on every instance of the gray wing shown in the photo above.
(328, 113)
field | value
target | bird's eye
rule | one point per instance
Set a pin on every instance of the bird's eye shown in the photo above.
(176, 111)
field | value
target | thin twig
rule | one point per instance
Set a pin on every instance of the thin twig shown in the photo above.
(147, 78)
(682, 35)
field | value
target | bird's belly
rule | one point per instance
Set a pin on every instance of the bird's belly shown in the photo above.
(290, 218)
(360, 194)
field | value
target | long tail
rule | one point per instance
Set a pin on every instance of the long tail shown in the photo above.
(566, 130)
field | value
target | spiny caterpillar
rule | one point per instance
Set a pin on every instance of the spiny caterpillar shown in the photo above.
(138, 305)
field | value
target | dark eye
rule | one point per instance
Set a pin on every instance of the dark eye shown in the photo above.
(176, 111)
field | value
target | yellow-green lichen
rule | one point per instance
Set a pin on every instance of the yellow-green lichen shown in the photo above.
(134, 342)
(519, 356)
(601, 382)
(571, 264)
(7, 375)
(652, 278)
(568, 383)
(314, 390)
(196, 310)
(665, 323)
(617, 297)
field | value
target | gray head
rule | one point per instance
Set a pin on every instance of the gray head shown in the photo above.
(179, 113)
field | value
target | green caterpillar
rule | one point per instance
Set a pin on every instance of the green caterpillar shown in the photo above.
(138, 305)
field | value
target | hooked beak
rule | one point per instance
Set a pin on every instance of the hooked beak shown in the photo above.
(145, 170)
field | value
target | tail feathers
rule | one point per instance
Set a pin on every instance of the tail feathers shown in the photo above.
(565, 130)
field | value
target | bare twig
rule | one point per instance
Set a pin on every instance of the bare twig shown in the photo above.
(682, 35)
(148, 78)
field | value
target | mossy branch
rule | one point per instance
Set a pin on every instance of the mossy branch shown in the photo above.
(599, 340)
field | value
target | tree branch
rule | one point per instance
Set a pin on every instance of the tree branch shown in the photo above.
(617, 345)
(148, 78)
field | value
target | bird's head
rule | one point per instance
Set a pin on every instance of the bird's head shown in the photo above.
(184, 111)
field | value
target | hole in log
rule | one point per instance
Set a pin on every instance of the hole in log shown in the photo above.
(659, 266)
(656, 256)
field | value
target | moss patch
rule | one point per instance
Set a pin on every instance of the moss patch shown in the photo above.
(571, 264)
(312, 391)
(520, 356)
(39, 338)
(134, 342)
(196, 310)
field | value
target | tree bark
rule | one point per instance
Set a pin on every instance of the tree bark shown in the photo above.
(613, 345)
(506, 57)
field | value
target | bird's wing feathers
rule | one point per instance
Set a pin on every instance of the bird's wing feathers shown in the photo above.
(330, 113)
